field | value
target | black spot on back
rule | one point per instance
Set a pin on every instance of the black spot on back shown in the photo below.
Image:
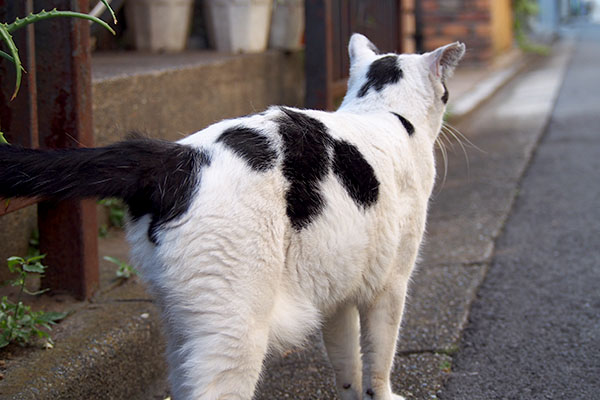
(381, 72)
(250, 145)
(446, 95)
(407, 125)
(305, 164)
(355, 173)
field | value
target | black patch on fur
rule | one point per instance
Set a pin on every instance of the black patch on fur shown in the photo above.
(370, 392)
(250, 145)
(381, 72)
(407, 125)
(306, 162)
(152, 176)
(355, 173)
(446, 95)
(347, 386)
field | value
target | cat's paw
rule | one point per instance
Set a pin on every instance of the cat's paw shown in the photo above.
(397, 397)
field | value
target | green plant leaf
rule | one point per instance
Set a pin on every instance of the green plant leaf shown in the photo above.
(36, 258)
(43, 15)
(112, 13)
(14, 52)
(7, 56)
(113, 260)
(35, 268)
(12, 261)
(52, 316)
(35, 293)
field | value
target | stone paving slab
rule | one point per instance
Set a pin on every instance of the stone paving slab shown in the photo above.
(438, 306)
(306, 375)
(420, 376)
(471, 197)
(461, 240)
(299, 374)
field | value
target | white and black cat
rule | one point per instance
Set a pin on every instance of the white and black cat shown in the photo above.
(256, 231)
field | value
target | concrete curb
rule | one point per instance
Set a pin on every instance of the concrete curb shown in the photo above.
(108, 350)
(498, 77)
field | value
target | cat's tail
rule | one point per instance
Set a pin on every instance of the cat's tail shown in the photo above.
(152, 176)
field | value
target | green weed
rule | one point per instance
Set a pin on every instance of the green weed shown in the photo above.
(116, 211)
(18, 323)
(124, 270)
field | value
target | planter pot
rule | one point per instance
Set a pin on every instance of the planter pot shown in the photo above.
(238, 26)
(159, 25)
(287, 24)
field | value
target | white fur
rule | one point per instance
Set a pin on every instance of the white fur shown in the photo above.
(234, 280)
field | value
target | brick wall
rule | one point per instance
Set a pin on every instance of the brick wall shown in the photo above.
(470, 21)
(408, 26)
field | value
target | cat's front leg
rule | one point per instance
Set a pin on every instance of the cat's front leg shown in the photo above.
(341, 336)
(380, 322)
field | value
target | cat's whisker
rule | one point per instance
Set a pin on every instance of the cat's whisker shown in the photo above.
(444, 154)
(451, 132)
(464, 137)
(444, 136)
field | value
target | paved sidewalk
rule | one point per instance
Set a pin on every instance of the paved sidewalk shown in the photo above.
(534, 331)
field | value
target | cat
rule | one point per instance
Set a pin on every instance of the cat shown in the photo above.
(257, 231)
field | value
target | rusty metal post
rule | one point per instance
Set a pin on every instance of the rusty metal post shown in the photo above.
(319, 62)
(68, 230)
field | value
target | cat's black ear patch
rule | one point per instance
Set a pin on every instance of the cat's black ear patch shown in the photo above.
(250, 145)
(446, 95)
(306, 162)
(355, 173)
(406, 123)
(381, 72)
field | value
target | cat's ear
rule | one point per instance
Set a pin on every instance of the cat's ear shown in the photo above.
(360, 47)
(443, 60)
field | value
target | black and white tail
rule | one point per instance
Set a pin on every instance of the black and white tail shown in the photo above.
(152, 176)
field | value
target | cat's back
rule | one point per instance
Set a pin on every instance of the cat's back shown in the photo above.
(335, 186)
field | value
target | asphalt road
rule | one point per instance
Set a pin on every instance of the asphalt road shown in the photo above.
(534, 330)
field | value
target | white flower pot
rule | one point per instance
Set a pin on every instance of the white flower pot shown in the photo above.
(159, 25)
(287, 24)
(238, 26)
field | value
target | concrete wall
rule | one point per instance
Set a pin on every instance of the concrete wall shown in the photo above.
(170, 102)
(15, 231)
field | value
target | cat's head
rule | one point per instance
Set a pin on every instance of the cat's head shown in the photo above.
(412, 85)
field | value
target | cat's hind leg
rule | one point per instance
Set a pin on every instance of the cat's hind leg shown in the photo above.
(341, 334)
(218, 335)
(380, 322)
(219, 292)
